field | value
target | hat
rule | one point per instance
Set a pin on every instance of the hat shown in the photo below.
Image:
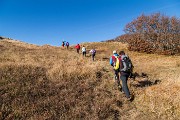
(114, 52)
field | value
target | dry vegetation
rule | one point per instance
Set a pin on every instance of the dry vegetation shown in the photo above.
(154, 33)
(46, 82)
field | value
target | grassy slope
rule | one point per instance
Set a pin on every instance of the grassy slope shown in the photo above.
(46, 82)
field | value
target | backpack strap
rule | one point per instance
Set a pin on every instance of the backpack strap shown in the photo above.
(113, 59)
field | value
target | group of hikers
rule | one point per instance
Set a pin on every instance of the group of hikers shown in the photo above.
(65, 44)
(92, 51)
(121, 64)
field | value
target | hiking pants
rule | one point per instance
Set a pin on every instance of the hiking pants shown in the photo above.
(78, 51)
(93, 55)
(116, 72)
(84, 54)
(125, 88)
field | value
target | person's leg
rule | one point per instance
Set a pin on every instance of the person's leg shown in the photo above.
(85, 54)
(93, 57)
(125, 86)
(117, 79)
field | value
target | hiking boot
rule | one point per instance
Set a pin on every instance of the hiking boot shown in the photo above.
(131, 98)
(115, 78)
(120, 88)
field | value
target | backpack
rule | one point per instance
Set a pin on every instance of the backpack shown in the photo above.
(77, 46)
(67, 44)
(127, 64)
(116, 61)
(83, 49)
(93, 51)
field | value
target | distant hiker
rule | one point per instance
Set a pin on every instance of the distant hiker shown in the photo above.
(67, 45)
(84, 51)
(63, 44)
(125, 71)
(93, 53)
(77, 48)
(114, 61)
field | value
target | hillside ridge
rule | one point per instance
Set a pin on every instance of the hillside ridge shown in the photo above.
(47, 82)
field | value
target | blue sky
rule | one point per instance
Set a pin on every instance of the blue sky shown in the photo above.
(51, 21)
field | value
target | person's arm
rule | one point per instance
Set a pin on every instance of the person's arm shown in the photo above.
(111, 61)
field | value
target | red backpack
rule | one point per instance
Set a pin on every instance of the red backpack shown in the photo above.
(116, 62)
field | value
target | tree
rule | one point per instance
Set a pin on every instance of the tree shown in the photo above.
(154, 34)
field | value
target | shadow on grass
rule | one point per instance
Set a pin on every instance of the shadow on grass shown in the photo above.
(144, 82)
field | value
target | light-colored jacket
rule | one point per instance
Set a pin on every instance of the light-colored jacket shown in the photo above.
(92, 51)
(83, 49)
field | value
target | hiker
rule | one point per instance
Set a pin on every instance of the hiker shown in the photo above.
(93, 53)
(67, 45)
(63, 44)
(114, 61)
(84, 51)
(77, 48)
(125, 71)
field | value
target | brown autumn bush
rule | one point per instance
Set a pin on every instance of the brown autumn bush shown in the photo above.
(155, 33)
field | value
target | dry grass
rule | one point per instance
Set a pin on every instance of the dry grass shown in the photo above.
(161, 102)
(47, 82)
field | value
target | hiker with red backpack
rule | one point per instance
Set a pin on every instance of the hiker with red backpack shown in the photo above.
(122, 64)
(63, 44)
(114, 61)
(93, 53)
(77, 48)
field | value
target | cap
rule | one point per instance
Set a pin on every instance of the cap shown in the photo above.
(114, 52)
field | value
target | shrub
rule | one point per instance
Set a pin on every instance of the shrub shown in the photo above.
(153, 34)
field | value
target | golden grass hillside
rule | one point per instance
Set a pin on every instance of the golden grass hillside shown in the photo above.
(47, 82)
